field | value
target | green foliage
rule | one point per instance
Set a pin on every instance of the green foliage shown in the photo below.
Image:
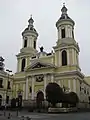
(70, 98)
(54, 93)
(73, 98)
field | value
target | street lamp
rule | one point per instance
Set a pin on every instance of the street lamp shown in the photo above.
(8, 72)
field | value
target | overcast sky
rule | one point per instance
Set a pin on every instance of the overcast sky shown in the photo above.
(14, 15)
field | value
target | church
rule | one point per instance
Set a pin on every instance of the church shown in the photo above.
(35, 69)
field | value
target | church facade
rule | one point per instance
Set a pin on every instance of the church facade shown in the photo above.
(35, 69)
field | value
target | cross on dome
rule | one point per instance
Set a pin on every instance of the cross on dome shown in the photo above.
(64, 9)
(31, 21)
(63, 4)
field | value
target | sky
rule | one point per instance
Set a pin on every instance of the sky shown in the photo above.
(14, 15)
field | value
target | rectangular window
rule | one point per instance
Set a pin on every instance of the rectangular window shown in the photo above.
(63, 32)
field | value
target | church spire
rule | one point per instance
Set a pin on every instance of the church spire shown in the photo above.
(31, 21)
(64, 9)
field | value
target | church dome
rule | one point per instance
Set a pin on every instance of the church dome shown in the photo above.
(30, 27)
(64, 16)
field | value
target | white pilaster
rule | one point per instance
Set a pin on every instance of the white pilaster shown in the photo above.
(56, 58)
(28, 42)
(60, 58)
(68, 59)
(52, 78)
(76, 58)
(32, 87)
(73, 56)
(74, 85)
(27, 88)
(26, 63)
(45, 83)
(20, 63)
(32, 42)
(24, 91)
(69, 85)
(66, 31)
(59, 33)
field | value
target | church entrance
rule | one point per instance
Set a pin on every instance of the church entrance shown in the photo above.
(39, 99)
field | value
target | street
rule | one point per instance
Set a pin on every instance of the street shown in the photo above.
(44, 116)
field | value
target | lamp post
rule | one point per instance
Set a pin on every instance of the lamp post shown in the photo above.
(8, 72)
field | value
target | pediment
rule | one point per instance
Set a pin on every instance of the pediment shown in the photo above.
(38, 65)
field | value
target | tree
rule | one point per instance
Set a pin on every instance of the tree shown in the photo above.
(54, 93)
(72, 98)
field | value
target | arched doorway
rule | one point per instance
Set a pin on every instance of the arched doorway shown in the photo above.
(40, 96)
(39, 99)
(0, 100)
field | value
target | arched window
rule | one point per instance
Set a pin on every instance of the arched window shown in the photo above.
(63, 32)
(23, 64)
(8, 86)
(64, 58)
(25, 42)
(34, 44)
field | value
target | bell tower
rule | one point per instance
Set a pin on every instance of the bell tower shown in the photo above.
(29, 36)
(66, 49)
(65, 25)
(29, 40)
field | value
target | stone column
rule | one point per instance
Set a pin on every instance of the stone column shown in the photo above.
(26, 88)
(32, 97)
(45, 83)
(52, 78)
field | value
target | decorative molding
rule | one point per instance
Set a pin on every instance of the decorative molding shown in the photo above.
(39, 78)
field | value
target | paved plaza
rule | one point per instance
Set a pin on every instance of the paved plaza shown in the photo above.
(44, 116)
